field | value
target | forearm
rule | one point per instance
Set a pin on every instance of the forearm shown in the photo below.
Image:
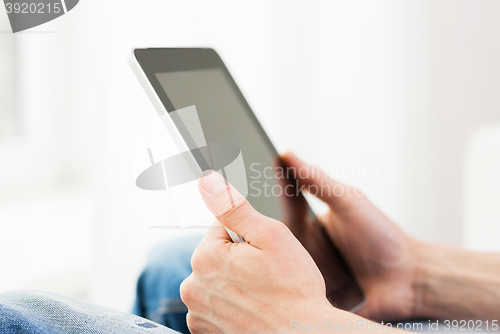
(457, 284)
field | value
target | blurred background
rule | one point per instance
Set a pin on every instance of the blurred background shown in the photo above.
(407, 90)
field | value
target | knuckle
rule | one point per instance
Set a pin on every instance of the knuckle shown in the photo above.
(193, 323)
(186, 291)
(199, 258)
(190, 321)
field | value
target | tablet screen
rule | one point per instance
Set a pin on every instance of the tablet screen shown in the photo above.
(224, 119)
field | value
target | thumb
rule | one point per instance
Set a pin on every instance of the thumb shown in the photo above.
(232, 209)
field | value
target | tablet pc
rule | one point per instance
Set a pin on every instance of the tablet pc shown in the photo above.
(179, 78)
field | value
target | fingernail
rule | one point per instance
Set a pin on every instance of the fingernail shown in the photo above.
(213, 182)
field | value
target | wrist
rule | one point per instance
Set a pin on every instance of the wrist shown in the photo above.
(431, 270)
(420, 277)
(456, 284)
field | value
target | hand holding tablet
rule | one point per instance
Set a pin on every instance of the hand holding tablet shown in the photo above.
(176, 79)
(258, 286)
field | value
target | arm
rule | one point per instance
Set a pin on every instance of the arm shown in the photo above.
(457, 284)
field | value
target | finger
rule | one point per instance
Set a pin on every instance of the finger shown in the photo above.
(317, 182)
(293, 203)
(230, 207)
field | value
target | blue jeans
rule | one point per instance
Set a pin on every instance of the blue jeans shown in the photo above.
(158, 297)
(37, 312)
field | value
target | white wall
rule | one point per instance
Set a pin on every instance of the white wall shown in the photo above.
(481, 195)
(395, 88)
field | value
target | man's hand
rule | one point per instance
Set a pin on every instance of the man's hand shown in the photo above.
(382, 257)
(258, 286)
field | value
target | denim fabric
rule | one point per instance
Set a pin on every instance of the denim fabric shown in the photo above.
(30, 312)
(158, 297)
